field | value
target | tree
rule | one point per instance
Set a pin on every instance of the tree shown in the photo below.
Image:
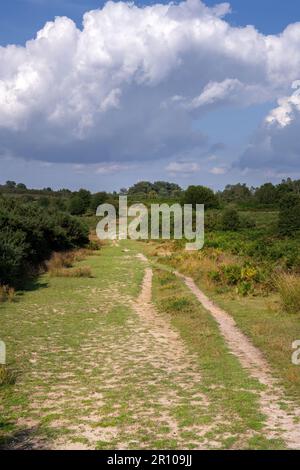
(10, 184)
(289, 215)
(142, 187)
(21, 186)
(230, 220)
(164, 188)
(80, 201)
(266, 194)
(200, 195)
(77, 205)
(86, 197)
(123, 191)
(97, 200)
(236, 193)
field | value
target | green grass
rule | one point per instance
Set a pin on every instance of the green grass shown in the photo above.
(91, 372)
(261, 316)
(232, 391)
(271, 329)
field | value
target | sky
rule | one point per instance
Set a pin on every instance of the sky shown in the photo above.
(101, 95)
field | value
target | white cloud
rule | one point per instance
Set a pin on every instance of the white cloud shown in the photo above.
(288, 107)
(130, 83)
(183, 168)
(106, 169)
(218, 170)
(276, 145)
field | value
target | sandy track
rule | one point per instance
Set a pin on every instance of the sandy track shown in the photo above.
(280, 423)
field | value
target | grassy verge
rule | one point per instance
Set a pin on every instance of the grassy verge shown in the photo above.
(232, 392)
(261, 316)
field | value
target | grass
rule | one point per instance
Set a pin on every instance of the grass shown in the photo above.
(7, 376)
(262, 316)
(60, 264)
(288, 286)
(81, 338)
(271, 329)
(233, 393)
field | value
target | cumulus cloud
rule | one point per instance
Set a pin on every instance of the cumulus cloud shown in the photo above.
(276, 144)
(131, 82)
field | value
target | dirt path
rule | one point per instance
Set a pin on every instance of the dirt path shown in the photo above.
(272, 398)
(101, 368)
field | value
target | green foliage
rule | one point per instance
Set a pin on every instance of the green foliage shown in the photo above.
(28, 235)
(158, 188)
(200, 195)
(80, 202)
(289, 216)
(77, 205)
(230, 220)
(243, 277)
(98, 199)
(266, 194)
(236, 193)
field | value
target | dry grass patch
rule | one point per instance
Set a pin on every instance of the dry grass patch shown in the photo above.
(84, 271)
(7, 293)
(288, 286)
(7, 377)
(61, 264)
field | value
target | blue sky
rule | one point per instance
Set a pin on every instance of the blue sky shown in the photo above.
(20, 19)
(223, 140)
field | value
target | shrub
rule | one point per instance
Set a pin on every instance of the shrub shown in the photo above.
(231, 274)
(28, 235)
(60, 264)
(59, 261)
(289, 216)
(288, 286)
(230, 220)
(200, 195)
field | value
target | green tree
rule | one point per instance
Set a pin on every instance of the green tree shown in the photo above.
(200, 195)
(10, 184)
(21, 186)
(98, 199)
(86, 196)
(289, 215)
(142, 188)
(266, 194)
(77, 205)
(230, 219)
(236, 193)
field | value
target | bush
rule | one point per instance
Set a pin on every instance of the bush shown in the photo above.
(289, 215)
(60, 264)
(200, 195)
(230, 220)
(288, 286)
(29, 234)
